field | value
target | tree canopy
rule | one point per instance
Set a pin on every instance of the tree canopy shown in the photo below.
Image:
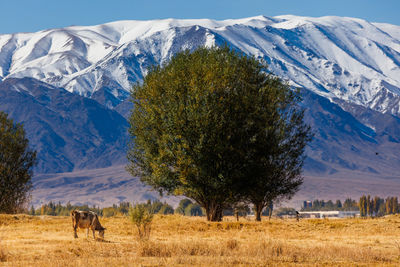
(211, 125)
(16, 163)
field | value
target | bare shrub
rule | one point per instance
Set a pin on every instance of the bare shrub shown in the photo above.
(141, 215)
(277, 249)
(232, 244)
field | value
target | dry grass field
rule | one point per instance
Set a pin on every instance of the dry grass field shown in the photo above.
(188, 241)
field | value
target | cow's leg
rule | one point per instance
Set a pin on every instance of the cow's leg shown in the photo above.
(94, 236)
(75, 218)
(75, 234)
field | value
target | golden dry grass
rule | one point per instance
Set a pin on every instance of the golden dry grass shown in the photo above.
(188, 241)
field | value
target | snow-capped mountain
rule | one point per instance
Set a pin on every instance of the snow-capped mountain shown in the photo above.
(346, 58)
(348, 69)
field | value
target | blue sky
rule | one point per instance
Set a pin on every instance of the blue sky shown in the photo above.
(35, 15)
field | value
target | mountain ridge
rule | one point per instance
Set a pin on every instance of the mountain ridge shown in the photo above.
(336, 57)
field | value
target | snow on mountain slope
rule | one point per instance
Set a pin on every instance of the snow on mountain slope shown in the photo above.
(336, 57)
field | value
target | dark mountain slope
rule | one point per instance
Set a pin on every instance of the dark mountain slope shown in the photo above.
(68, 131)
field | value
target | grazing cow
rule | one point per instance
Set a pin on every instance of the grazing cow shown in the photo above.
(86, 219)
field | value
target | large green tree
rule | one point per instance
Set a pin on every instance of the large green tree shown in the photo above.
(200, 125)
(16, 163)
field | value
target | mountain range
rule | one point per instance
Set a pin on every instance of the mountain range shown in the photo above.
(70, 87)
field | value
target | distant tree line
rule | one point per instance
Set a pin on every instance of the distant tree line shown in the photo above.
(186, 207)
(376, 207)
(58, 209)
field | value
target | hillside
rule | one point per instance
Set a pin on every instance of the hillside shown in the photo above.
(68, 131)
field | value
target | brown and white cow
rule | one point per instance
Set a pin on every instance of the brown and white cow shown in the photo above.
(88, 220)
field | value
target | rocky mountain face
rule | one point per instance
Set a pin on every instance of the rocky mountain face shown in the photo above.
(350, 138)
(70, 86)
(69, 131)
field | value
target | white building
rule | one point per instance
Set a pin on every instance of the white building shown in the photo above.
(329, 214)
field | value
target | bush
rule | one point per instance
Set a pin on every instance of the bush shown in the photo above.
(166, 209)
(157, 207)
(142, 216)
(193, 209)
(182, 206)
(109, 212)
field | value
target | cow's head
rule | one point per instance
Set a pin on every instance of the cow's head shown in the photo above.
(101, 232)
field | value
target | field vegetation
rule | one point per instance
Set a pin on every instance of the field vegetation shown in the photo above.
(178, 240)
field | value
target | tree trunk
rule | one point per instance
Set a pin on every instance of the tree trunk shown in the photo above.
(258, 209)
(270, 209)
(213, 212)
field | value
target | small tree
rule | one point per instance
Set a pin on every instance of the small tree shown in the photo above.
(142, 217)
(338, 204)
(269, 209)
(329, 205)
(395, 205)
(350, 204)
(363, 206)
(166, 209)
(193, 209)
(16, 163)
(382, 208)
(32, 211)
(240, 209)
(388, 205)
(182, 206)
(109, 212)
(316, 205)
(376, 205)
(370, 206)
